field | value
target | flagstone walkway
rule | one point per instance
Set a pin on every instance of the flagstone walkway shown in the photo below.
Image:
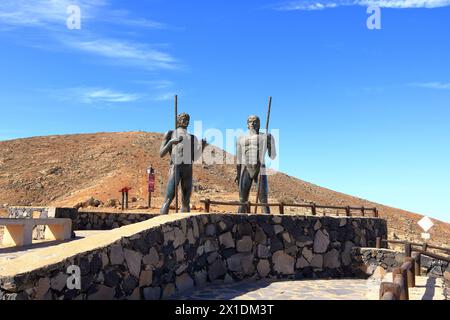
(340, 289)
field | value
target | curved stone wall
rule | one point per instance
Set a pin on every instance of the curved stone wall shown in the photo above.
(170, 254)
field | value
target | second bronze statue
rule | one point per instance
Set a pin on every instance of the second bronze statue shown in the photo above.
(251, 150)
(184, 150)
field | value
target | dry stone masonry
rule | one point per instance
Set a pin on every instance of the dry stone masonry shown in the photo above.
(185, 252)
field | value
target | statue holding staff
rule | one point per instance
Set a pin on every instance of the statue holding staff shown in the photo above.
(250, 153)
(184, 150)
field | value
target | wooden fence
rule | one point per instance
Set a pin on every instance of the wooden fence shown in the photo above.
(349, 211)
(405, 276)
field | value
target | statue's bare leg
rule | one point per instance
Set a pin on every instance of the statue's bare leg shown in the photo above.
(263, 193)
(186, 187)
(170, 193)
(245, 185)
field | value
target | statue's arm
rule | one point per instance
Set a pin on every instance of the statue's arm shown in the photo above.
(166, 145)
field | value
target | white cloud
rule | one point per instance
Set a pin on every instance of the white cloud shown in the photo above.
(44, 13)
(432, 85)
(51, 16)
(164, 96)
(308, 5)
(48, 13)
(126, 52)
(97, 95)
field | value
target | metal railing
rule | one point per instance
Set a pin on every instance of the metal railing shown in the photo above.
(282, 205)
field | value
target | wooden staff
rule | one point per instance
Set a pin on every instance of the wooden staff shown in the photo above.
(259, 175)
(176, 156)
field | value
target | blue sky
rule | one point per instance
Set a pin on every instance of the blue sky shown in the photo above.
(360, 111)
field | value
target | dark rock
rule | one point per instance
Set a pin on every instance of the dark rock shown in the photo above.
(129, 284)
(152, 293)
(96, 264)
(216, 270)
(275, 245)
(112, 278)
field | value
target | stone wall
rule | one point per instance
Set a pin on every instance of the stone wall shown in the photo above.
(107, 220)
(81, 220)
(170, 254)
(370, 261)
(376, 262)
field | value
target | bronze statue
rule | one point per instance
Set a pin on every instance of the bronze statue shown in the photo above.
(184, 150)
(250, 153)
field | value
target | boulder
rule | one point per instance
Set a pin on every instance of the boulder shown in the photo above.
(263, 268)
(245, 244)
(331, 259)
(321, 241)
(152, 293)
(226, 240)
(184, 282)
(283, 263)
(116, 254)
(133, 259)
(317, 261)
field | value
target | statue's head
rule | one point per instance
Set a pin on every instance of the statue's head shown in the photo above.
(253, 123)
(183, 120)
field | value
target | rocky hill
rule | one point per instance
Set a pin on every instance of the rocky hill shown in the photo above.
(67, 170)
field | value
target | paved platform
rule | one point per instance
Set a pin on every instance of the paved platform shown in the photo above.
(8, 253)
(341, 289)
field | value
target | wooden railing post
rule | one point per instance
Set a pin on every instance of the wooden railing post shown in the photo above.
(281, 208)
(313, 209)
(207, 205)
(378, 243)
(408, 250)
(417, 261)
(399, 279)
(388, 291)
(410, 272)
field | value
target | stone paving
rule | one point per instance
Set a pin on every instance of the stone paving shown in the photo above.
(340, 289)
(8, 253)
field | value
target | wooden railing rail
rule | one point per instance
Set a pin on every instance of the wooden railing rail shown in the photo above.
(282, 205)
(403, 278)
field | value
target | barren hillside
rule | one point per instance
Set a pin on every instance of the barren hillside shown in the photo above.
(67, 170)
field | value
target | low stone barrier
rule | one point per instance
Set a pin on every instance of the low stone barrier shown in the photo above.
(108, 220)
(81, 220)
(376, 262)
(170, 254)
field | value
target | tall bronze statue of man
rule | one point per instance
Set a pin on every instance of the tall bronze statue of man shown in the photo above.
(250, 153)
(184, 150)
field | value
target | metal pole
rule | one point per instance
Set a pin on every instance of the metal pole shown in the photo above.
(176, 157)
(267, 132)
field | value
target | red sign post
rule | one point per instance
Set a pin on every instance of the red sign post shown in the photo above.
(151, 184)
(124, 192)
